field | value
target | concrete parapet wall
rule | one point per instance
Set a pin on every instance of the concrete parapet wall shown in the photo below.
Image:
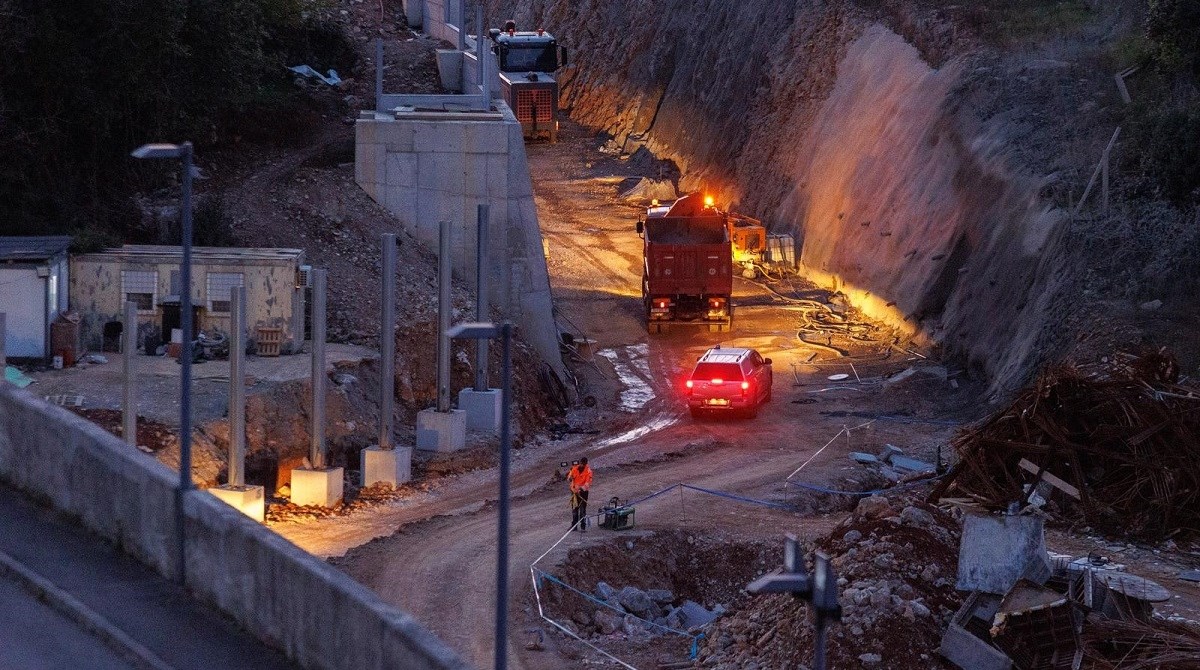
(426, 167)
(318, 616)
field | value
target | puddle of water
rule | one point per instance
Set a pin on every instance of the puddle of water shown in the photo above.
(657, 423)
(632, 370)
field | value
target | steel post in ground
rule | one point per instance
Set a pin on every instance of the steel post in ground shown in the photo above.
(237, 387)
(3, 355)
(462, 25)
(481, 345)
(185, 408)
(444, 309)
(129, 348)
(387, 343)
(502, 524)
(379, 75)
(482, 52)
(316, 454)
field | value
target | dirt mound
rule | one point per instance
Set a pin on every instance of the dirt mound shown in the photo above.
(151, 435)
(896, 567)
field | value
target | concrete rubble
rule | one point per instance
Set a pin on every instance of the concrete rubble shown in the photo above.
(1028, 609)
(639, 613)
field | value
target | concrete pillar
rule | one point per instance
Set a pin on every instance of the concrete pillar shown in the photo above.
(297, 319)
(378, 72)
(387, 343)
(316, 452)
(445, 307)
(237, 387)
(481, 302)
(481, 403)
(250, 500)
(129, 349)
(442, 428)
(387, 463)
(318, 485)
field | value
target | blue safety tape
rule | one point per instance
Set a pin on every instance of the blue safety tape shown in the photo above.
(588, 596)
(733, 496)
(900, 487)
(670, 488)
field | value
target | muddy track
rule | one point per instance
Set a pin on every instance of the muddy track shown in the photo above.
(434, 556)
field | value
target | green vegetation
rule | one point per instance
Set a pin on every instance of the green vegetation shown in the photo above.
(1012, 20)
(1164, 122)
(83, 83)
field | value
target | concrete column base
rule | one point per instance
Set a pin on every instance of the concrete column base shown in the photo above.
(249, 500)
(386, 466)
(441, 431)
(482, 408)
(322, 488)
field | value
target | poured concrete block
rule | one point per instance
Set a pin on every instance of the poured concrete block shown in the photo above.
(322, 488)
(450, 69)
(996, 551)
(249, 500)
(483, 409)
(441, 431)
(386, 466)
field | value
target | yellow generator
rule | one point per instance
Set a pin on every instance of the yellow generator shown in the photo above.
(749, 239)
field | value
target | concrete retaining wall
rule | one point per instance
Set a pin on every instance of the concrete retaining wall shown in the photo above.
(318, 616)
(429, 166)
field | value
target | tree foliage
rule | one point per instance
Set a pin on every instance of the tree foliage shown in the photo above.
(83, 83)
(1173, 27)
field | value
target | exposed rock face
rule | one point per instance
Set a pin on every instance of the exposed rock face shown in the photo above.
(823, 122)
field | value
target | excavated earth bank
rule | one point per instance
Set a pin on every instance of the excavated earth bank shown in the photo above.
(928, 174)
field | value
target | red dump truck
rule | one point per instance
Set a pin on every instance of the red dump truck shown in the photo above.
(687, 269)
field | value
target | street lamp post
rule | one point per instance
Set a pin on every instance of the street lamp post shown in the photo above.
(491, 331)
(184, 153)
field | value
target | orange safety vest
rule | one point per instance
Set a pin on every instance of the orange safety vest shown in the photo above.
(580, 478)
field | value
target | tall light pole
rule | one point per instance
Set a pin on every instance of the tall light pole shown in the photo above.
(504, 331)
(184, 153)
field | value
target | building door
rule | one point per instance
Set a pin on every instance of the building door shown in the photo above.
(23, 300)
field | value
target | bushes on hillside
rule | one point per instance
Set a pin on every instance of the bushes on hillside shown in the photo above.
(82, 83)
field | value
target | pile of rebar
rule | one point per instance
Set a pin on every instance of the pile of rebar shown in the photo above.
(1134, 645)
(1118, 447)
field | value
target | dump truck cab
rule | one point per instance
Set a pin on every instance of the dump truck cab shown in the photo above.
(527, 62)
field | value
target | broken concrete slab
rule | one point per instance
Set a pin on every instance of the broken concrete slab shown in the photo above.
(996, 551)
(910, 464)
(636, 601)
(866, 459)
(888, 451)
(693, 615)
(965, 649)
(1190, 575)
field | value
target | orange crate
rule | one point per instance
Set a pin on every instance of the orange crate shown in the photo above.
(269, 341)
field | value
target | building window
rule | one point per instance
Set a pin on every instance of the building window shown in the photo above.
(219, 284)
(141, 288)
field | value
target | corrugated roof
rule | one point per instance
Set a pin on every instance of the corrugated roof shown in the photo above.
(152, 253)
(32, 248)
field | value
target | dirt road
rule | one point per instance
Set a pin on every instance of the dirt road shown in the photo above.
(440, 564)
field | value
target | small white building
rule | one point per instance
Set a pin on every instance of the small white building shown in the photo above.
(33, 292)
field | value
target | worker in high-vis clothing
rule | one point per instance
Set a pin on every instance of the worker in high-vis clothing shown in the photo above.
(580, 479)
